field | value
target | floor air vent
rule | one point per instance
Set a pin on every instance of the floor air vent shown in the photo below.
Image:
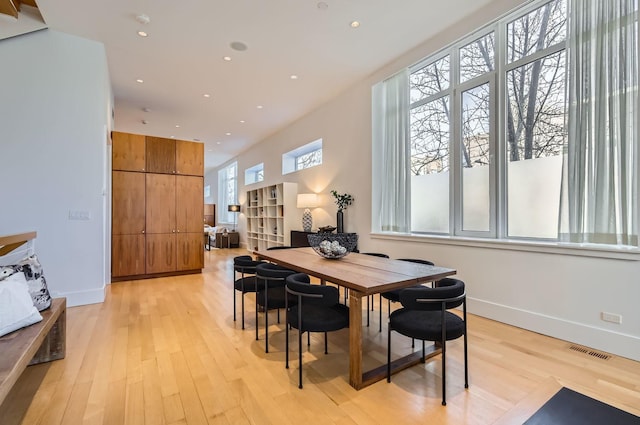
(589, 351)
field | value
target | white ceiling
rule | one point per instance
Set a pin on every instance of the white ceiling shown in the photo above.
(182, 58)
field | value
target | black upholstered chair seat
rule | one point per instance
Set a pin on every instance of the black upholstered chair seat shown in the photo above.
(245, 267)
(245, 284)
(319, 318)
(424, 315)
(317, 310)
(271, 294)
(275, 298)
(426, 325)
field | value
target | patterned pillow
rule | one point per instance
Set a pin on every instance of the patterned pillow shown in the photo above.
(32, 270)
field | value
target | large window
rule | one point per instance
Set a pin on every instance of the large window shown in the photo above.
(227, 191)
(487, 130)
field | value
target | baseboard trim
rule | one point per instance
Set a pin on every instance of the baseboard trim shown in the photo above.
(76, 298)
(602, 339)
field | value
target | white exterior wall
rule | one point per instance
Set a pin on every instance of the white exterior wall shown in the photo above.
(558, 294)
(55, 117)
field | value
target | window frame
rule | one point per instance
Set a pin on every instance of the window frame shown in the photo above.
(290, 159)
(225, 216)
(497, 81)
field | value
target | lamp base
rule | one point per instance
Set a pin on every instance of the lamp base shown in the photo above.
(307, 220)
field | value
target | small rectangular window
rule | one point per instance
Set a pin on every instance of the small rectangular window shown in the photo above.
(306, 156)
(254, 174)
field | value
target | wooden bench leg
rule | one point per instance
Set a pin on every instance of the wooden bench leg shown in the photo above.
(54, 345)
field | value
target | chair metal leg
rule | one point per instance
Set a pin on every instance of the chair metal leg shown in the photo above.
(308, 339)
(242, 309)
(286, 343)
(325, 344)
(388, 353)
(422, 358)
(266, 319)
(444, 373)
(299, 358)
(367, 310)
(380, 324)
(234, 305)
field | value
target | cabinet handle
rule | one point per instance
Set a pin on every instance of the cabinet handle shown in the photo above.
(143, 232)
(178, 230)
(173, 231)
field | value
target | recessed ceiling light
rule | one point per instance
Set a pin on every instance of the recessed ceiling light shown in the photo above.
(228, 134)
(322, 5)
(173, 137)
(207, 95)
(354, 24)
(146, 109)
(259, 106)
(227, 58)
(139, 80)
(210, 150)
(217, 143)
(196, 140)
(142, 34)
(177, 125)
(239, 46)
(293, 77)
(145, 122)
(241, 121)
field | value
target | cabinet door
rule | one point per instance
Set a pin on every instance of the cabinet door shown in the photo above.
(190, 251)
(189, 158)
(127, 255)
(161, 253)
(128, 152)
(161, 155)
(189, 204)
(128, 204)
(161, 203)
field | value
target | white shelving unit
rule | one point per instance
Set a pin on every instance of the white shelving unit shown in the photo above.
(271, 215)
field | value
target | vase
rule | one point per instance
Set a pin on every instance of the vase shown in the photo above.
(340, 222)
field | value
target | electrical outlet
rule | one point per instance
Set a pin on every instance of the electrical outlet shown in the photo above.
(611, 317)
(79, 215)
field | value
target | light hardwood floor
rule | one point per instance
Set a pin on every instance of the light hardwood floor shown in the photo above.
(167, 351)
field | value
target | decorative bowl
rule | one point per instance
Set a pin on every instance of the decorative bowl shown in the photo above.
(333, 245)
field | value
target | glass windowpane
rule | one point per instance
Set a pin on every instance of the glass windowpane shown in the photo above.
(477, 58)
(429, 80)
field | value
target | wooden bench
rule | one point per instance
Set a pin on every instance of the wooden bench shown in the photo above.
(38, 343)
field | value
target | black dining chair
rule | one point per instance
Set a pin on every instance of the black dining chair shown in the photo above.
(424, 315)
(394, 295)
(317, 309)
(245, 266)
(370, 297)
(270, 293)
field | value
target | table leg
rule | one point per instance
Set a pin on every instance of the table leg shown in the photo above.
(355, 339)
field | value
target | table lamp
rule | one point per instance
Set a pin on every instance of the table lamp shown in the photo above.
(306, 201)
(234, 208)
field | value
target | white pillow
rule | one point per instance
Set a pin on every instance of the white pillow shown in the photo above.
(16, 307)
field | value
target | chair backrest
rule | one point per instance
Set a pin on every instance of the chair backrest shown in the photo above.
(449, 292)
(279, 247)
(273, 273)
(299, 284)
(245, 264)
(376, 254)
(418, 261)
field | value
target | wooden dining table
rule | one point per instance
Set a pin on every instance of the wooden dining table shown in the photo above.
(363, 275)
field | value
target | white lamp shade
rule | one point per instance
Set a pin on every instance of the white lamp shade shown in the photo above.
(307, 200)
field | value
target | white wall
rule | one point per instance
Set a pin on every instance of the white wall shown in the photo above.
(555, 294)
(55, 109)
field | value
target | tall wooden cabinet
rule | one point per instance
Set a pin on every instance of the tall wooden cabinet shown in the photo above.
(271, 215)
(158, 206)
